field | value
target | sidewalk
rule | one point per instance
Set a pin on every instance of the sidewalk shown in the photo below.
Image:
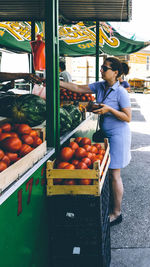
(130, 240)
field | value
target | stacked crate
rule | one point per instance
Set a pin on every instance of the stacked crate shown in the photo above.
(80, 231)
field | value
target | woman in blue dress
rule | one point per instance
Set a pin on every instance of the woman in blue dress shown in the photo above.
(115, 114)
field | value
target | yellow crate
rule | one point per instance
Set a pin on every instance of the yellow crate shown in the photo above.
(97, 174)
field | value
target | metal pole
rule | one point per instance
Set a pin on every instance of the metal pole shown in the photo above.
(50, 73)
(97, 50)
(57, 78)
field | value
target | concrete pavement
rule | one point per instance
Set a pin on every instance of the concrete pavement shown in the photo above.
(130, 240)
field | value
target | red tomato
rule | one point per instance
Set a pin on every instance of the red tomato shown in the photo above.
(69, 182)
(36, 141)
(62, 165)
(102, 152)
(83, 98)
(6, 159)
(25, 149)
(98, 146)
(75, 162)
(87, 161)
(27, 139)
(4, 136)
(80, 153)
(85, 181)
(66, 153)
(73, 145)
(12, 156)
(0, 130)
(78, 139)
(13, 134)
(12, 144)
(3, 166)
(99, 156)
(89, 155)
(33, 133)
(94, 149)
(87, 148)
(70, 166)
(24, 129)
(81, 165)
(85, 141)
(6, 127)
(1, 154)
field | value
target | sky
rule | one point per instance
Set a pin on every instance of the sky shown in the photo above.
(140, 23)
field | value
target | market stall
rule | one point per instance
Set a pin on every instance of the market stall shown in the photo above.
(25, 209)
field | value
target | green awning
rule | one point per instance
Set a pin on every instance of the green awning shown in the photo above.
(80, 40)
(74, 40)
(16, 36)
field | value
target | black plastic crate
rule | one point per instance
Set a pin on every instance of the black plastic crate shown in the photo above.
(86, 239)
(75, 210)
(78, 261)
(81, 222)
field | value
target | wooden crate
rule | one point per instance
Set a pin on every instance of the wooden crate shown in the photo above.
(13, 172)
(41, 130)
(97, 174)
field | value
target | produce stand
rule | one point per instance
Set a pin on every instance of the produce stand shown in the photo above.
(140, 85)
(25, 209)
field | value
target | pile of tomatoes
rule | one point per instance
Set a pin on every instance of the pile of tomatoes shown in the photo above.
(80, 154)
(16, 141)
(68, 95)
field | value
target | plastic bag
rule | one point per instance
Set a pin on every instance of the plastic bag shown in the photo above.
(39, 90)
(38, 51)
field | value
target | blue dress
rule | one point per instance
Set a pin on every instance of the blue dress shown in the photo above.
(117, 131)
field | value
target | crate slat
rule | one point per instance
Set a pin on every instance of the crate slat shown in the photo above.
(73, 190)
(77, 174)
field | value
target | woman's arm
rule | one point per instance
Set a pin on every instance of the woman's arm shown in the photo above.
(8, 76)
(123, 115)
(75, 87)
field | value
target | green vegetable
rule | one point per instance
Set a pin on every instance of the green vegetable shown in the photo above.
(75, 114)
(65, 121)
(30, 109)
(6, 101)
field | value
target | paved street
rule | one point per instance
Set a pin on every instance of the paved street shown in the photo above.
(130, 240)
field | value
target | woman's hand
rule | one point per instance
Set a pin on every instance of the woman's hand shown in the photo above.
(104, 109)
(33, 78)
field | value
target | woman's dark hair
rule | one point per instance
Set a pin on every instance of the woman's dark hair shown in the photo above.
(116, 64)
(62, 65)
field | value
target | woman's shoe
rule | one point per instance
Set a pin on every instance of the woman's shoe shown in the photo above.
(117, 220)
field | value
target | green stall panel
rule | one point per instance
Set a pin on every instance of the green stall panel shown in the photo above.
(24, 225)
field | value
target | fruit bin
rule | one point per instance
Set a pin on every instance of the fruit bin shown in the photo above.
(13, 172)
(97, 174)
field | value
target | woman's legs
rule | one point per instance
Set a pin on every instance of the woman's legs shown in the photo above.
(116, 189)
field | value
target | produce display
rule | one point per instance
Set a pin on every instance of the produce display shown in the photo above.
(28, 108)
(70, 118)
(16, 141)
(68, 95)
(79, 154)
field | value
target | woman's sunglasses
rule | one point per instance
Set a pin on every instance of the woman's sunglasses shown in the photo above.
(105, 68)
